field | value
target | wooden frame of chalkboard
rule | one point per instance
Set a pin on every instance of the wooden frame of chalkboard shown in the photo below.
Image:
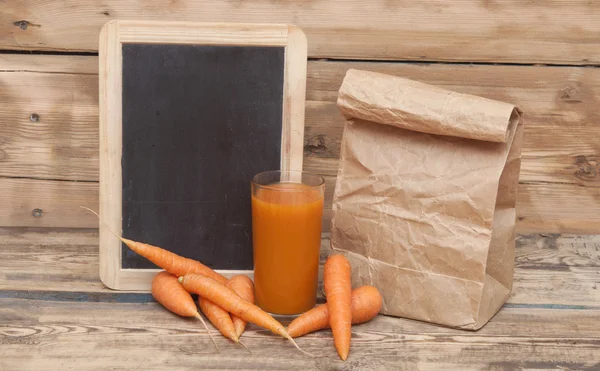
(114, 35)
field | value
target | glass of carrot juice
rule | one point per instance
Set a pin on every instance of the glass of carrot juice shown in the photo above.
(287, 211)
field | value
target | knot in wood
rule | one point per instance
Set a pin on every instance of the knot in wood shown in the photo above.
(34, 117)
(571, 94)
(37, 213)
(587, 168)
(316, 144)
(23, 24)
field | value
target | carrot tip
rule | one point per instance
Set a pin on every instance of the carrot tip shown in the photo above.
(101, 221)
(244, 346)
(180, 279)
(197, 315)
(287, 336)
(90, 210)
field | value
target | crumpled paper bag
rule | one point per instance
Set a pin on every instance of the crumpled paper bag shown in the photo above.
(424, 204)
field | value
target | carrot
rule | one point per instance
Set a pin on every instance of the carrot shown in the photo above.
(218, 317)
(165, 259)
(366, 304)
(338, 290)
(168, 292)
(243, 286)
(227, 299)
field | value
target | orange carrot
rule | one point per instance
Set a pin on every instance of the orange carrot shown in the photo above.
(172, 262)
(218, 317)
(227, 299)
(167, 260)
(338, 290)
(168, 292)
(366, 303)
(243, 286)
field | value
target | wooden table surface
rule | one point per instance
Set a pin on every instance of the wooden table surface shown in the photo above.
(55, 314)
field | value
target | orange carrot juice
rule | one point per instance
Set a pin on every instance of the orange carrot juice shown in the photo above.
(286, 233)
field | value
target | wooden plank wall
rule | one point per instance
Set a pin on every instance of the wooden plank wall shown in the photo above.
(554, 31)
(542, 56)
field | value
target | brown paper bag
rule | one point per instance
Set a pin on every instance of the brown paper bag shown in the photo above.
(424, 204)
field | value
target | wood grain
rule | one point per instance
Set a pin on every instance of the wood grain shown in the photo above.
(563, 31)
(73, 321)
(294, 100)
(550, 269)
(51, 335)
(63, 260)
(560, 182)
(554, 207)
(209, 33)
(48, 63)
(62, 143)
(47, 203)
(515, 321)
(110, 76)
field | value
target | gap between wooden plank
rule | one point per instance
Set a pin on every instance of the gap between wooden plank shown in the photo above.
(48, 179)
(458, 63)
(540, 182)
(142, 298)
(317, 59)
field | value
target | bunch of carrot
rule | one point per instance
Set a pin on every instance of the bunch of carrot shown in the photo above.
(217, 298)
(229, 303)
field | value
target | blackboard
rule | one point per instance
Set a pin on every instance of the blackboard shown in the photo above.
(198, 123)
(189, 113)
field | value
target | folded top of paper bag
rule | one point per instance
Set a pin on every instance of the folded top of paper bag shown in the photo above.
(373, 96)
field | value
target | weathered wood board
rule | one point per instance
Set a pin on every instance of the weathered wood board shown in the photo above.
(47, 203)
(560, 31)
(48, 335)
(550, 322)
(550, 270)
(560, 182)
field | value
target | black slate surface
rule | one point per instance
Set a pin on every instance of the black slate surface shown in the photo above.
(198, 123)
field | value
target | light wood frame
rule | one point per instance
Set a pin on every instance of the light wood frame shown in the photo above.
(116, 33)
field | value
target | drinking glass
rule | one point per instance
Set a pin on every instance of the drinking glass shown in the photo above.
(287, 212)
